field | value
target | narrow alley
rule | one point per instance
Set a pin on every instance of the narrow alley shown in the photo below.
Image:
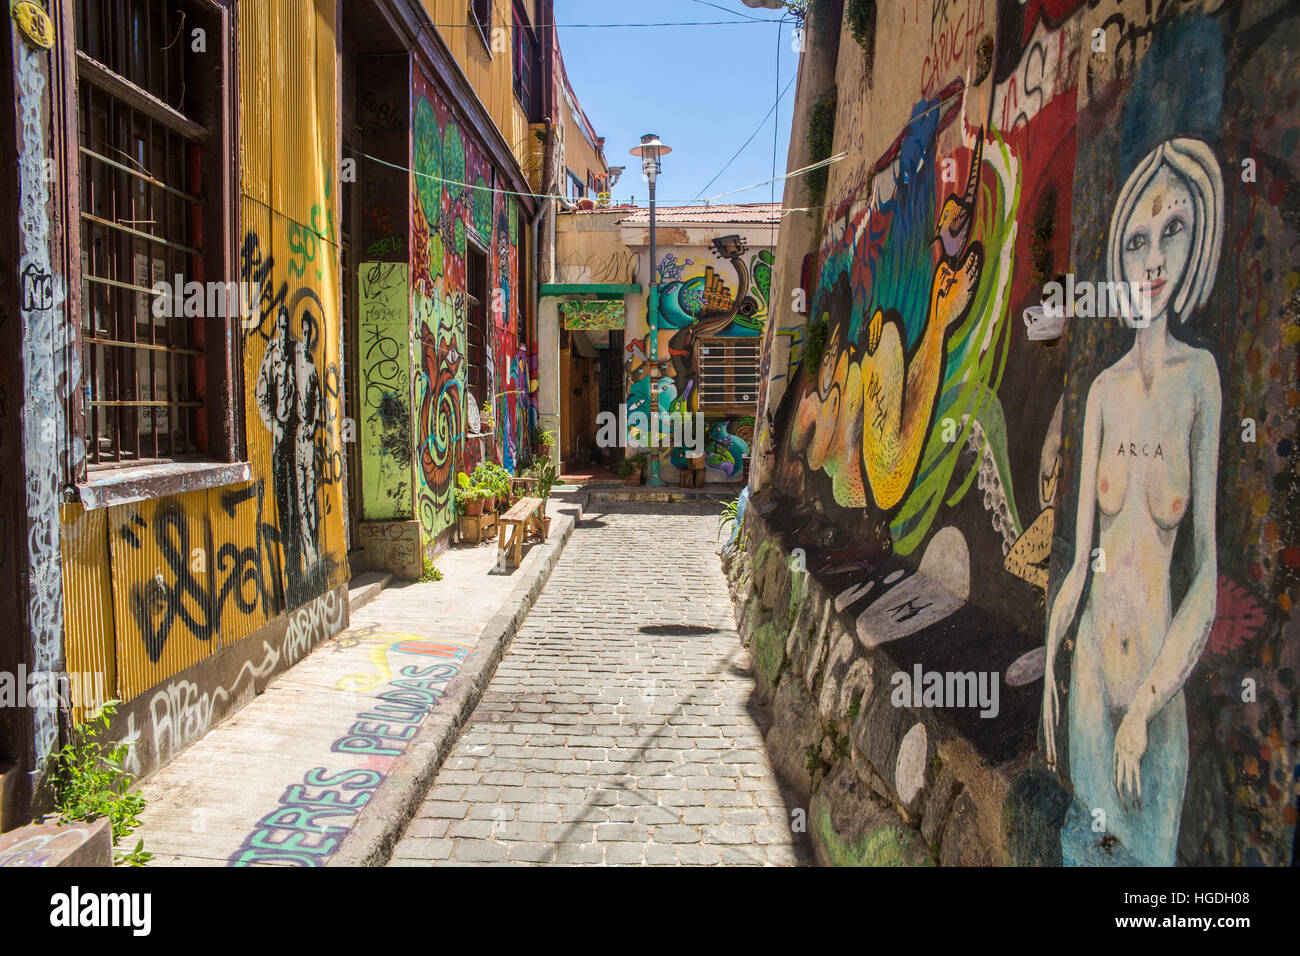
(764, 433)
(621, 727)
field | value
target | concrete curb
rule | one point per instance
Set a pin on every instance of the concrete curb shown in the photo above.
(668, 497)
(381, 824)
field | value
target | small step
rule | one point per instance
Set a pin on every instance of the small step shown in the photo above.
(53, 844)
(365, 587)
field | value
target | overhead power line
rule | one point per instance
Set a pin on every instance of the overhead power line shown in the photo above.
(736, 13)
(601, 26)
(751, 136)
(509, 192)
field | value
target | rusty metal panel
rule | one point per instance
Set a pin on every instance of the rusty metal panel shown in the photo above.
(154, 587)
(88, 605)
(303, 109)
(294, 404)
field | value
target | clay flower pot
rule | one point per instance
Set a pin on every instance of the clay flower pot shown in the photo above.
(474, 508)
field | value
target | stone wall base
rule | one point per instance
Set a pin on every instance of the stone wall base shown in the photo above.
(392, 546)
(884, 785)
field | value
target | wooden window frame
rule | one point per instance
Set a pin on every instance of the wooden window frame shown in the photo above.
(526, 49)
(476, 321)
(220, 366)
(577, 188)
(482, 19)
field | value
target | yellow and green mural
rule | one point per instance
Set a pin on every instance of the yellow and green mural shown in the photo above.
(454, 203)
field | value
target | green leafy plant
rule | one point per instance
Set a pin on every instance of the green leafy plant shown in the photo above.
(545, 477)
(855, 708)
(631, 465)
(90, 782)
(728, 516)
(468, 492)
(815, 336)
(431, 571)
(821, 140)
(543, 439)
(862, 23)
(493, 477)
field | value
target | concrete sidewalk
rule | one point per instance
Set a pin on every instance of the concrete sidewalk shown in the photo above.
(330, 763)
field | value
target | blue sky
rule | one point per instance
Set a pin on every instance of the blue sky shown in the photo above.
(703, 89)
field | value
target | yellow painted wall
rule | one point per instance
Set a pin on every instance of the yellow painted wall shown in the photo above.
(579, 155)
(489, 66)
(157, 586)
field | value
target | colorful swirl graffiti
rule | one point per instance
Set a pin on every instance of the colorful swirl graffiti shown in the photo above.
(444, 216)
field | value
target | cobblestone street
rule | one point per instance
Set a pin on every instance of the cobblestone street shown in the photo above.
(618, 729)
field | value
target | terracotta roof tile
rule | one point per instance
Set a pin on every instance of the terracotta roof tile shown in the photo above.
(769, 213)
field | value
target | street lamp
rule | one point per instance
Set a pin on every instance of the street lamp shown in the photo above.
(651, 151)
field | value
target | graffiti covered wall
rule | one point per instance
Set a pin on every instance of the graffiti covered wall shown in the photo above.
(240, 572)
(721, 290)
(1104, 522)
(1179, 456)
(456, 202)
(385, 384)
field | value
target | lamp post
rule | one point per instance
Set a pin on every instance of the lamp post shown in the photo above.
(651, 151)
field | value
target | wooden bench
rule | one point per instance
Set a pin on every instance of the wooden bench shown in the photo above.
(524, 517)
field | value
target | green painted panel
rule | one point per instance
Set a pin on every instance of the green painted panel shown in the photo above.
(384, 363)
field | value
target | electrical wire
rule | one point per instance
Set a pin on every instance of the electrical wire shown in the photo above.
(751, 138)
(737, 13)
(776, 126)
(838, 157)
(598, 26)
(510, 192)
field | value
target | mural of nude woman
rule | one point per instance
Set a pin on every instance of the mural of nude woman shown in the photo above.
(1149, 462)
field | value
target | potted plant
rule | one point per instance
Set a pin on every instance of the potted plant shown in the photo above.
(471, 499)
(545, 476)
(629, 469)
(495, 478)
(543, 442)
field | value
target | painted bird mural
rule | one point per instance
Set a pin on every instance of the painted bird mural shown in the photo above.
(957, 214)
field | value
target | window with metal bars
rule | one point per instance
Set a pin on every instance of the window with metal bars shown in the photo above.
(476, 327)
(145, 118)
(728, 373)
